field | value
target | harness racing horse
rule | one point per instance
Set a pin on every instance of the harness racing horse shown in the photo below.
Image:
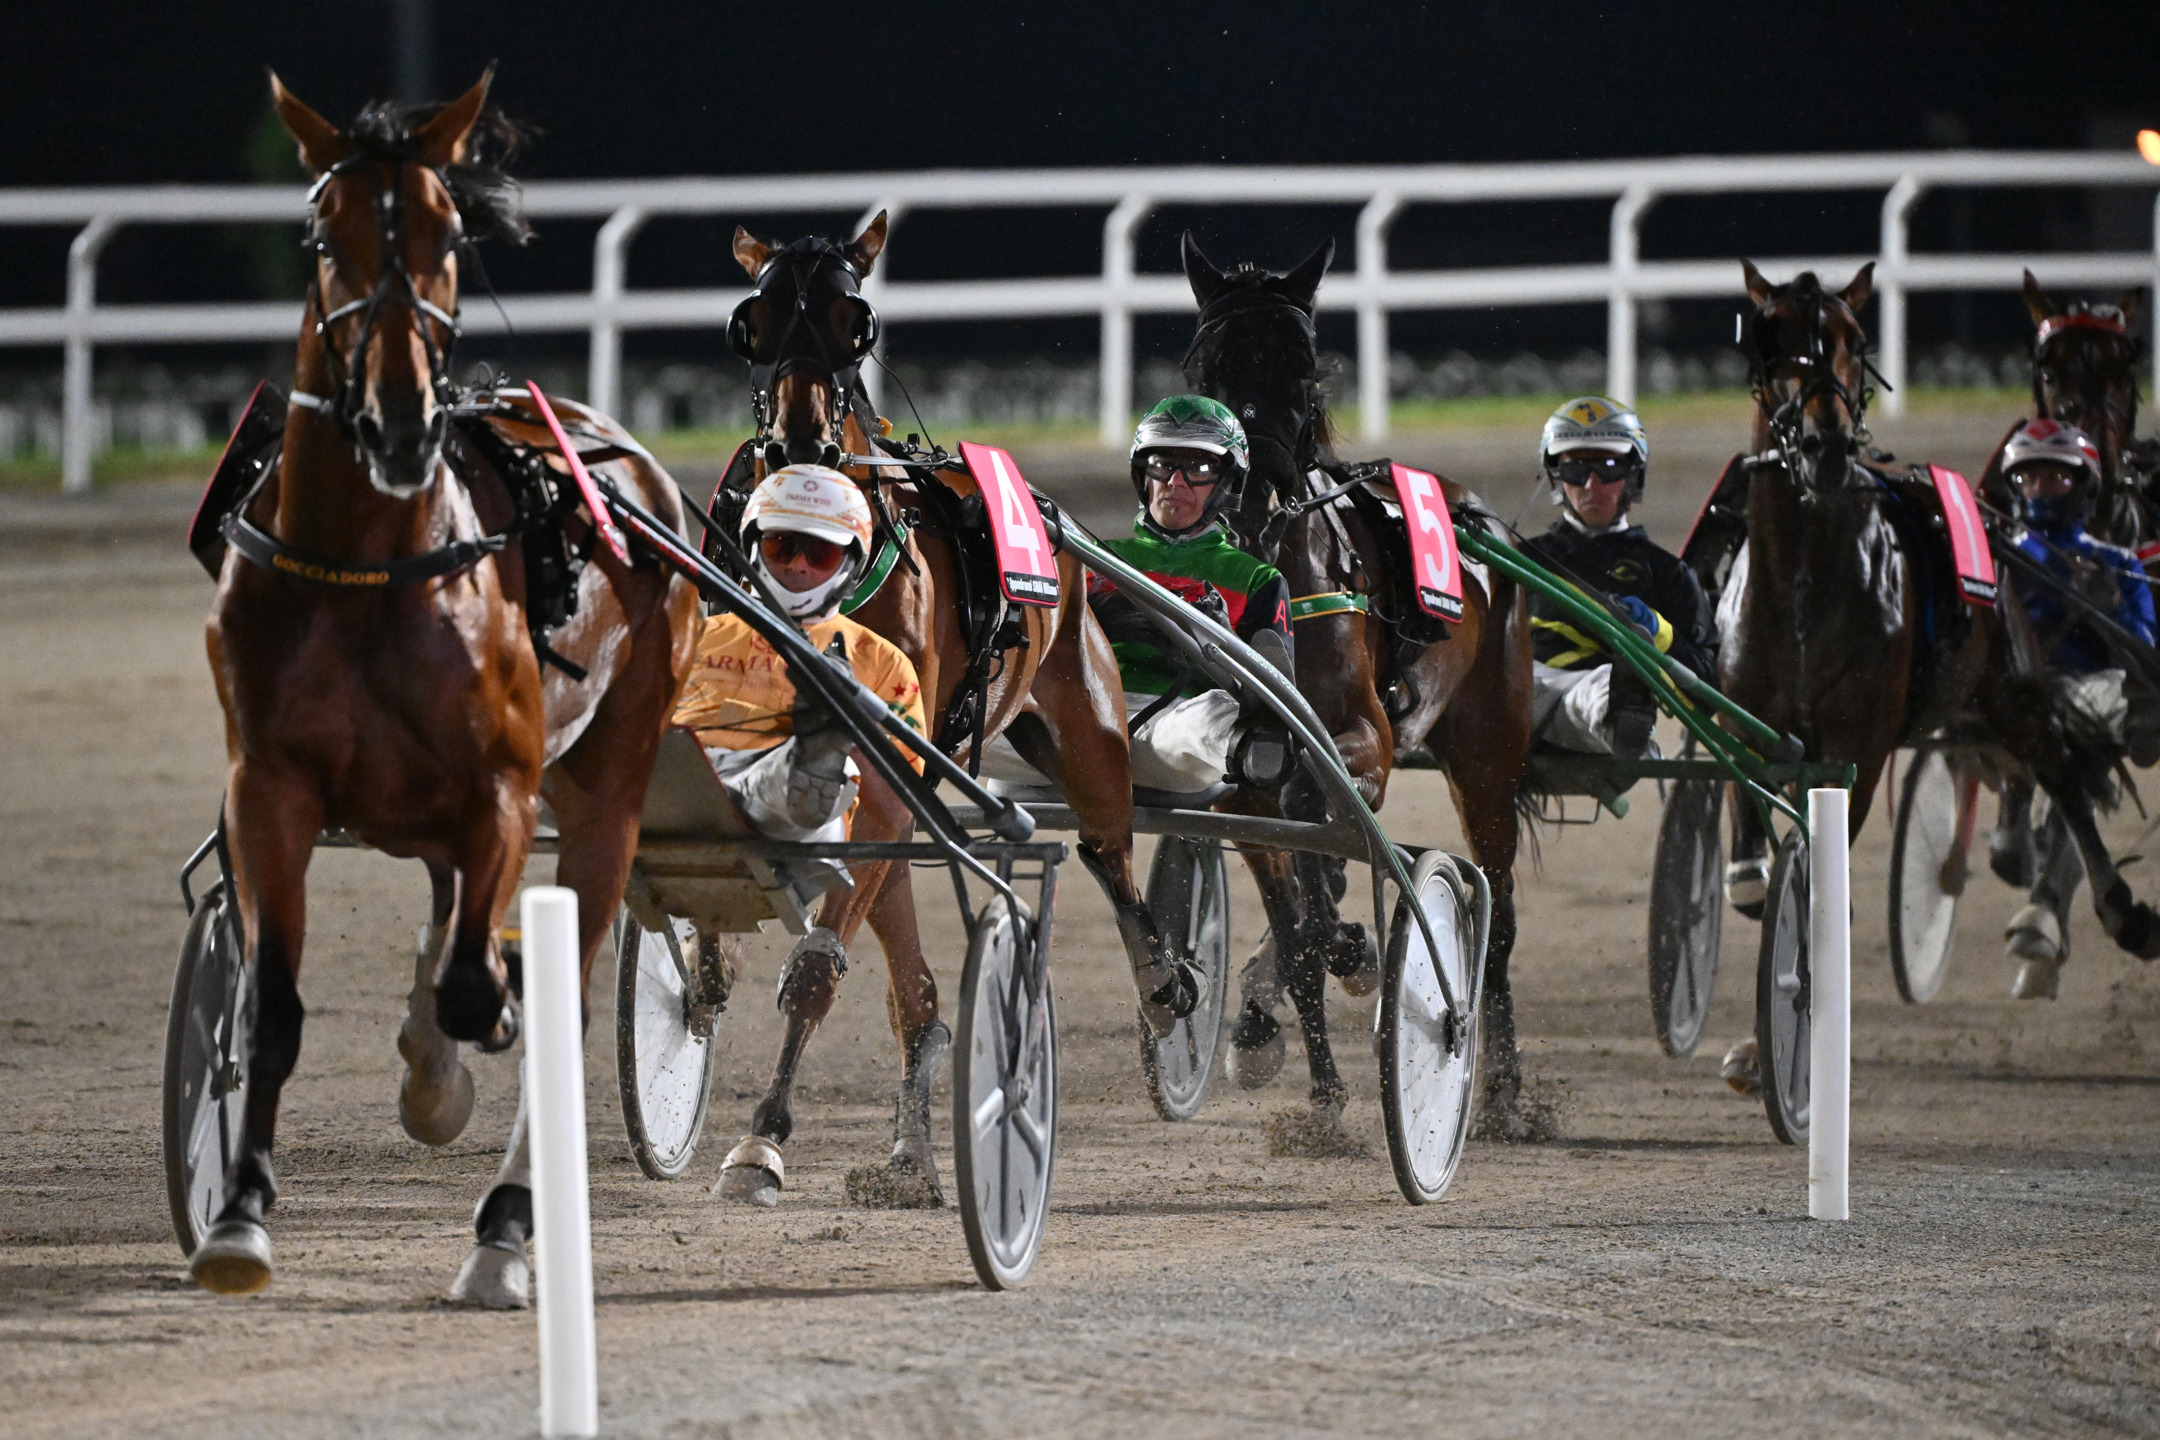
(372, 649)
(1383, 680)
(1044, 677)
(1840, 622)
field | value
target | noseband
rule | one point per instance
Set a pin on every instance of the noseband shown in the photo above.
(803, 343)
(395, 284)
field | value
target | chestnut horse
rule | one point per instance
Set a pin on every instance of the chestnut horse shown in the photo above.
(1466, 696)
(415, 716)
(1841, 622)
(1044, 677)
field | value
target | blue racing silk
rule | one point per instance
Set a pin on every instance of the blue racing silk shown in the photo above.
(2072, 646)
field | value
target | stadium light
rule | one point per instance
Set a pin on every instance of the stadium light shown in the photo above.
(2149, 146)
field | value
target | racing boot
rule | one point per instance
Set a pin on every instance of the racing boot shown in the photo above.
(1630, 712)
(2034, 939)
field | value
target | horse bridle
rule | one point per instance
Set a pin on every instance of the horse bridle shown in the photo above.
(1816, 375)
(2105, 321)
(1207, 337)
(803, 343)
(347, 369)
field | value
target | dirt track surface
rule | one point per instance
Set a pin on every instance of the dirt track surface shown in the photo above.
(1653, 1272)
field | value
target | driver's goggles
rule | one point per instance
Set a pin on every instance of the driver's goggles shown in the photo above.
(786, 547)
(1601, 469)
(1199, 474)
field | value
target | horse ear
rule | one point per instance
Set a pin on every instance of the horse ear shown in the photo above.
(1303, 281)
(863, 250)
(1200, 272)
(1856, 294)
(1758, 289)
(750, 252)
(2037, 303)
(2132, 306)
(442, 139)
(320, 144)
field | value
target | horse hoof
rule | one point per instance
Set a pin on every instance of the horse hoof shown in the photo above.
(753, 1173)
(1255, 1066)
(494, 1277)
(435, 1114)
(477, 1011)
(1742, 1068)
(898, 1184)
(1364, 976)
(233, 1259)
(2034, 934)
(2036, 980)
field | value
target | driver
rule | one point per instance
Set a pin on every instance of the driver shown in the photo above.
(2054, 472)
(780, 755)
(1596, 456)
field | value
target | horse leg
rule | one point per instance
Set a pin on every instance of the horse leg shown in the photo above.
(2012, 853)
(1747, 873)
(474, 995)
(435, 1097)
(497, 1275)
(1300, 974)
(2130, 922)
(2038, 936)
(754, 1171)
(272, 838)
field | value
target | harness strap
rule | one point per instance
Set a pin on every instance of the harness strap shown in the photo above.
(266, 550)
(1333, 602)
(881, 566)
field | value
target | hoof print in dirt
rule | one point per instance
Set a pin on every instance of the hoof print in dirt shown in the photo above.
(894, 1186)
(1315, 1133)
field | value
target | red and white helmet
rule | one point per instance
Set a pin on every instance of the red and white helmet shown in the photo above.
(2054, 443)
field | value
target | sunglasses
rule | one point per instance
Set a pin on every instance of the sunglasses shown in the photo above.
(1199, 474)
(786, 547)
(1603, 470)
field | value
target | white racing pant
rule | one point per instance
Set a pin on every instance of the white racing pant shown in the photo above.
(779, 800)
(1568, 708)
(1183, 747)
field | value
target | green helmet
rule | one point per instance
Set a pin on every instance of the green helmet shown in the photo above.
(1193, 422)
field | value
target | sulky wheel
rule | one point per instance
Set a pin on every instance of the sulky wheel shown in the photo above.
(1188, 892)
(1687, 910)
(206, 1062)
(1004, 1097)
(664, 1022)
(1929, 847)
(1781, 992)
(1426, 1089)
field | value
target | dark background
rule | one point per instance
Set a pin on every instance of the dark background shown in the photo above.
(142, 94)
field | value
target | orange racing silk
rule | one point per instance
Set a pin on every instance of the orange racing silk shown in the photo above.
(739, 696)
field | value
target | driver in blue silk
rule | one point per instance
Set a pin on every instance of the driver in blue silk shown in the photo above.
(2054, 472)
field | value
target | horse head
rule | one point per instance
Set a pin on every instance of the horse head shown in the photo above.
(806, 329)
(1807, 364)
(1254, 349)
(397, 197)
(2085, 363)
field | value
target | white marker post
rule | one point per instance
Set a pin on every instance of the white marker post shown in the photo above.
(1829, 1005)
(562, 1210)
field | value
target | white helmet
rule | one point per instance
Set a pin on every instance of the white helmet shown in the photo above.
(817, 501)
(1594, 423)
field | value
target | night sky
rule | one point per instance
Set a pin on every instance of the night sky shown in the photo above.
(141, 93)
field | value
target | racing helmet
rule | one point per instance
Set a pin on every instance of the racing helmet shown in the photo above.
(2050, 442)
(822, 504)
(1194, 422)
(1592, 422)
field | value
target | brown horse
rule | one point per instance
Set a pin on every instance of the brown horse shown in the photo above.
(1841, 623)
(1044, 677)
(410, 710)
(1465, 695)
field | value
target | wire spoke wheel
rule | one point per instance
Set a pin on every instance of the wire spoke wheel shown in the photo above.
(1930, 848)
(1781, 993)
(1687, 911)
(1188, 892)
(663, 1043)
(1004, 1097)
(1426, 1085)
(206, 1060)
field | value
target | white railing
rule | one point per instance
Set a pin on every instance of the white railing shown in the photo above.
(1369, 287)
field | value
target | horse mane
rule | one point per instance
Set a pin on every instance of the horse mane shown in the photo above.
(489, 200)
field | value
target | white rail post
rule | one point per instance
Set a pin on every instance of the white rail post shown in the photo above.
(603, 378)
(1627, 216)
(873, 285)
(1117, 348)
(78, 418)
(1374, 393)
(1897, 207)
(562, 1210)
(1829, 1006)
